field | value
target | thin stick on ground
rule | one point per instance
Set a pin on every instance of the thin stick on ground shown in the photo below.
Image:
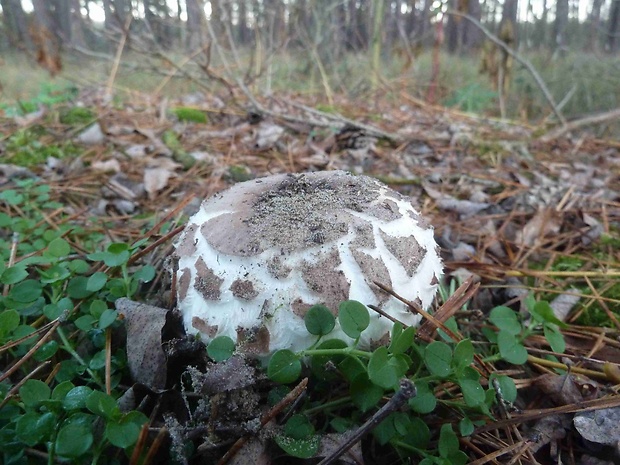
(586, 121)
(407, 391)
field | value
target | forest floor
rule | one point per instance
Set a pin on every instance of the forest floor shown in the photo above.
(515, 214)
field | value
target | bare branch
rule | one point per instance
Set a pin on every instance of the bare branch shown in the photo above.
(524, 61)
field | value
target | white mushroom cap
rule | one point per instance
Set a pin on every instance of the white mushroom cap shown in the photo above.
(257, 256)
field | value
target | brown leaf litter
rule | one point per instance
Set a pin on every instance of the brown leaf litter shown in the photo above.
(507, 209)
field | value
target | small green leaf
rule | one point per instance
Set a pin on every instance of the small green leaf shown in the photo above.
(438, 358)
(319, 320)
(33, 428)
(506, 386)
(74, 440)
(380, 371)
(353, 317)
(46, 351)
(473, 394)
(298, 427)
(78, 287)
(61, 390)
(448, 442)
(506, 320)
(351, 367)
(13, 274)
(97, 307)
(554, 337)
(11, 197)
(118, 247)
(53, 311)
(490, 334)
(300, 448)
(97, 281)
(9, 320)
(26, 291)
(511, 349)
(97, 362)
(424, 401)
(418, 434)
(466, 426)
(385, 431)
(458, 458)
(54, 274)
(107, 318)
(33, 392)
(59, 248)
(543, 312)
(122, 433)
(117, 255)
(79, 266)
(463, 355)
(145, 274)
(69, 369)
(102, 404)
(403, 341)
(221, 348)
(452, 325)
(341, 425)
(284, 367)
(85, 322)
(76, 398)
(365, 394)
(397, 330)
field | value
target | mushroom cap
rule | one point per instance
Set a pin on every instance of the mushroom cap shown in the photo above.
(256, 257)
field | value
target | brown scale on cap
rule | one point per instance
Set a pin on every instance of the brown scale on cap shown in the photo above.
(244, 289)
(207, 282)
(406, 249)
(326, 280)
(205, 328)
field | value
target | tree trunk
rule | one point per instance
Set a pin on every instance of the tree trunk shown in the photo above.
(109, 21)
(543, 39)
(453, 29)
(46, 42)
(560, 24)
(377, 30)
(76, 25)
(195, 25)
(243, 33)
(61, 14)
(472, 36)
(15, 24)
(594, 20)
(425, 23)
(614, 26)
(509, 15)
(217, 13)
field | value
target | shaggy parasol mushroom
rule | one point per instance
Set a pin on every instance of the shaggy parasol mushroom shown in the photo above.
(257, 256)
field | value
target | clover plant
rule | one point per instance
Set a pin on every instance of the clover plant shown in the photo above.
(56, 401)
(513, 331)
(373, 374)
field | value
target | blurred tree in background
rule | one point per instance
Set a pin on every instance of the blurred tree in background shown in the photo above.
(345, 24)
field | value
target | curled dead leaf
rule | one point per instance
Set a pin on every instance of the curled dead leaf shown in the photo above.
(145, 356)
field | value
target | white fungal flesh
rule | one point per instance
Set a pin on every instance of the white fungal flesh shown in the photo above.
(256, 257)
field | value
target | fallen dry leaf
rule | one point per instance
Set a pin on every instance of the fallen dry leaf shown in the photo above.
(600, 426)
(145, 356)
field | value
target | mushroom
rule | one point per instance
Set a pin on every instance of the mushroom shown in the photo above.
(256, 257)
